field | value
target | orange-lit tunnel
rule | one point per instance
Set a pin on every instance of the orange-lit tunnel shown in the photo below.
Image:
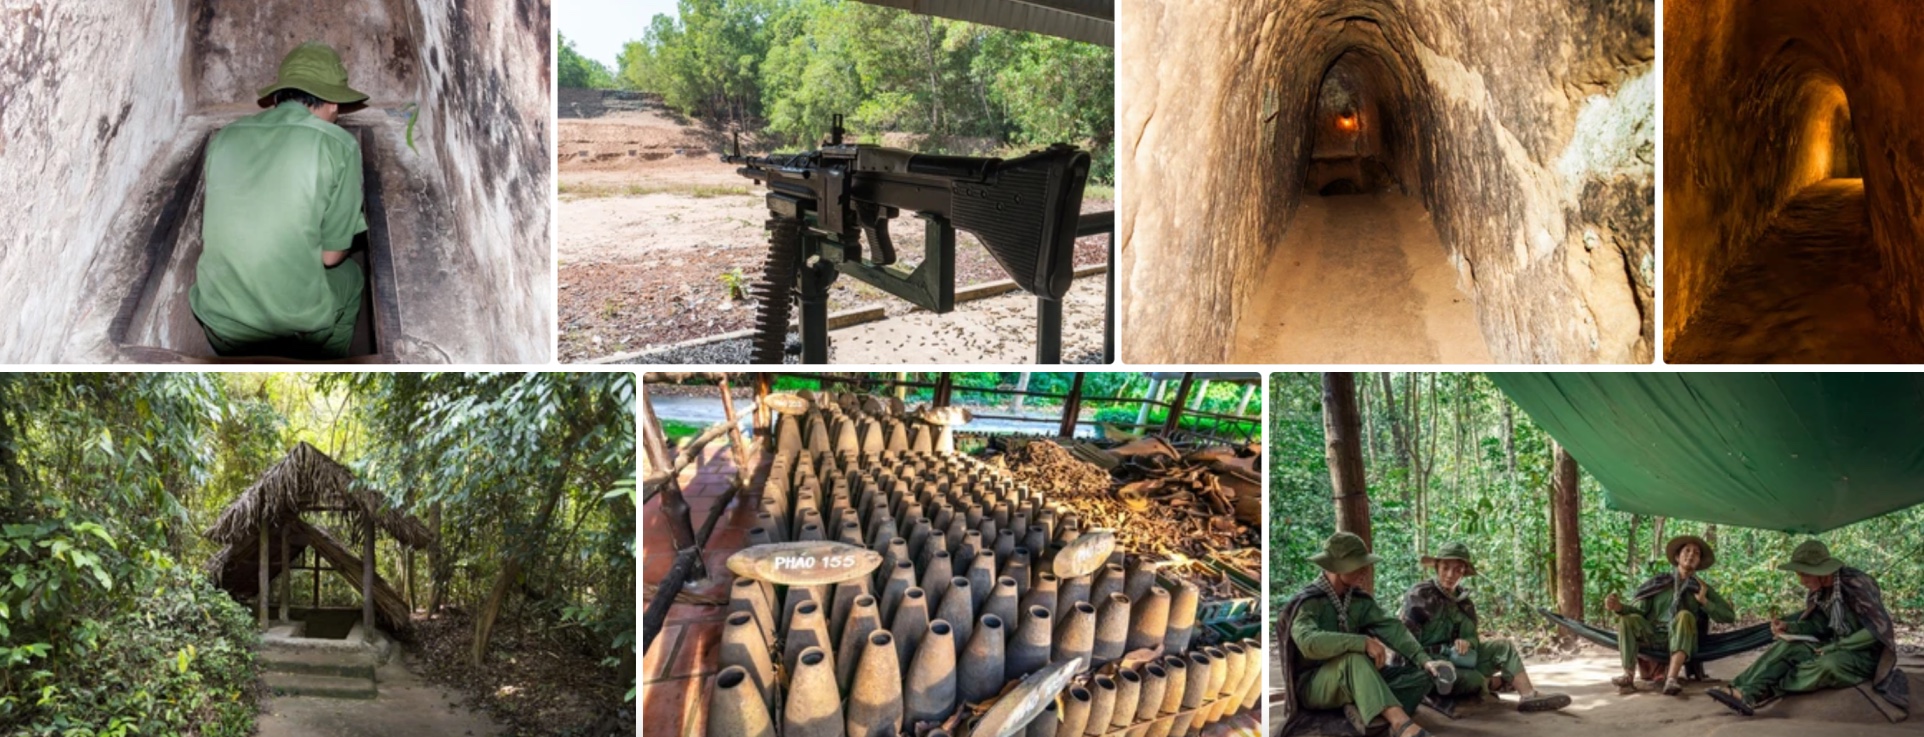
(1367, 181)
(1791, 174)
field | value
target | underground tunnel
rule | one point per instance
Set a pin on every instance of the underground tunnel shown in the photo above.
(1377, 181)
(1791, 194)
(105, 114)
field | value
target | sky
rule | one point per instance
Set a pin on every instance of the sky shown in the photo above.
(599, 28)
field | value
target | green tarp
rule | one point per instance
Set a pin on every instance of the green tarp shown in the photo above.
(1792, 452)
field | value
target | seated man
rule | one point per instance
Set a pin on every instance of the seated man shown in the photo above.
(1675, 607)
(283, 204)
(1340, 642)
(1842, 638)
(1443, 619)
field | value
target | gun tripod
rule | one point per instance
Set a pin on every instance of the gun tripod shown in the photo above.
(929, 285)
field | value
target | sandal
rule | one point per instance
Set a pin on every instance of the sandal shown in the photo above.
(1671, 687)
(1735, 702)
(1626, 684)
(1541, 701)
(1404, 730)
(1355, 717)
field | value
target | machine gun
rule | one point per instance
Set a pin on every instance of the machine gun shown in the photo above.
(829, 213)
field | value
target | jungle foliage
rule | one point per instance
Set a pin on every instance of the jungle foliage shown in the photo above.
(784, 67)
(109, 622)
(574, 70)
(1219, 397)
(1450, 457)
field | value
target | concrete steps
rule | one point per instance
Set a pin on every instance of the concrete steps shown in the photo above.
(319, 673)
(327, 687)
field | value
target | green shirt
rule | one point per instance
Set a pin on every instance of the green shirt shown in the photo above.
(281, 187)
(1318, 633)
(1662, 606)
(1450, 623)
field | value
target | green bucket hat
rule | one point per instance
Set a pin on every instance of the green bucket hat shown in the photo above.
(1812, 557)
(1452, 551)
(1344, 552)
(315, 68)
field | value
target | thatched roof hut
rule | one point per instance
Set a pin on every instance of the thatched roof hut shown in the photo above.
(309, 484)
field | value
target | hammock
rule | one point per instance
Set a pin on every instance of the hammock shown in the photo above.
(1715, 646)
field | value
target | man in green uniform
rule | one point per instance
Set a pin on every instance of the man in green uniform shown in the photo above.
(1842, 638)
(1676, 608)
(283, 204)
(1340, 642)
(1443, 618)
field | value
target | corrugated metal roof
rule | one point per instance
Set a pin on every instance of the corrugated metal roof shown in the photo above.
(1092, 21)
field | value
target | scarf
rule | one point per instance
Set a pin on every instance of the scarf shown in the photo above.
(1342, 602)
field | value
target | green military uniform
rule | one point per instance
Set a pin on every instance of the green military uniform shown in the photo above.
(1665, 609)
(282, 186)
(1331, 636)
(1847, 648)
(1339, 671)
(1439, 618)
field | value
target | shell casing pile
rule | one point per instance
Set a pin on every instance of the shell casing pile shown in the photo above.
(964, 603)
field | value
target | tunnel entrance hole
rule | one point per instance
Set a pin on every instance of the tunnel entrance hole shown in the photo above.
(1357, 125)
(1360, 275)
(156, 324)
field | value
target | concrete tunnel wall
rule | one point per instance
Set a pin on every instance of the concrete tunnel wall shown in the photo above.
(1529, 127)
(98, 100)
(1749, 89)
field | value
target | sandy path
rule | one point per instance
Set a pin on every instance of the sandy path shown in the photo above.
(1598, 711)
(406, 705)
(1805, 294)
(1359, 279)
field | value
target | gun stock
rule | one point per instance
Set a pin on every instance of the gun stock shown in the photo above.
(1035, 245)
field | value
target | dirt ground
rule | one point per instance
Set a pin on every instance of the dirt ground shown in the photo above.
(1359, 279)
(654, 228)
(1598, 711)
(999, 329)
(1805, 295)
(406, 705)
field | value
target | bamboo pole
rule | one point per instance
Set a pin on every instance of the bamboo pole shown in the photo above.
(737, 446)
(287, 577)
(367, 579)
(263, 588)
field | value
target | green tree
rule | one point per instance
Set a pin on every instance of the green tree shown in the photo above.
(575, 70)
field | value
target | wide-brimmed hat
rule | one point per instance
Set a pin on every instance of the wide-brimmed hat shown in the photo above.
(1344, 552)
(1452, 551)
(315, 68)
(1676, 544)
(1812, 557)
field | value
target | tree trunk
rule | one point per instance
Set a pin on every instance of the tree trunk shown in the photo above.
(935, 83)
(1569, 540)
(1657, 539)
(1400, 443)
(511, 567)
(437, 562)
(1021, 385)
(1345, 456)
(1630, 548)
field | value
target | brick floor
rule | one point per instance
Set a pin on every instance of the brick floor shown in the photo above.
(679, 667)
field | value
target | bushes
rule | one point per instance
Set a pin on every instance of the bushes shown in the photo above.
(101, 642)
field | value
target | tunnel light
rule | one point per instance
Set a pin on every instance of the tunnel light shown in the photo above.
(1346, 123)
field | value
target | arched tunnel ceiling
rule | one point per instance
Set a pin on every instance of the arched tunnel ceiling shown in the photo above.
(1091, 21)
(1534, 128)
